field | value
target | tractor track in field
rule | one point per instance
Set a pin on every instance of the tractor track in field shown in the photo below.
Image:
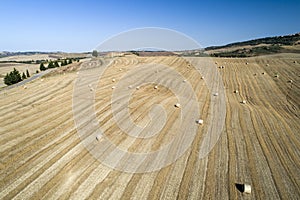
(43, 157)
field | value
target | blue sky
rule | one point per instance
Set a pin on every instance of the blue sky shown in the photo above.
(76, 26)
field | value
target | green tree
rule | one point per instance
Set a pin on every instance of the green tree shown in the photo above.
(51, 65)
(24, 76)
(70, 61)
(27, 73)
(16, 76)
(95, 53)
(13, 77)
(7, 79)
(42, 67)
(63, 63)
(56, 64)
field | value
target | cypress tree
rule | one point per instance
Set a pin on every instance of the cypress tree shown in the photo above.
(24, 76)
(50, 65)
(56, 64)
(27, 73)
(63, 63)
(42, 67)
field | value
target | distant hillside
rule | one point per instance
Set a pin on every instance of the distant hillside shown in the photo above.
(256, 47)
(262, 46)
(54, 54)
(27, 53)
(280, 40)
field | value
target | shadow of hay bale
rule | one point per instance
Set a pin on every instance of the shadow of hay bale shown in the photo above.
(244, 188)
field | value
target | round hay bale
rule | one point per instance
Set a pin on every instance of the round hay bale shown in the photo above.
(244, 188)
(130, 86)
(290, 81)
(263, 73)
(216, 94)
(184, 81)
(138, 87)
(247, 188)
(199, 121)
(236, 91)
(267, 65)
(113, 80)
(202, 77)
(156, 87)
(113, 87)
(120, 69)
(244, 102)
(276, 76)
(25, 87)
(247, 63)
(98, 137)
(177, 105)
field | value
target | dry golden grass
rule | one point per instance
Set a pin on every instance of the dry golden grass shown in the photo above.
(42, 157)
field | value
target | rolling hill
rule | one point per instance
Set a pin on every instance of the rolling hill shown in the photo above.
(43, 156)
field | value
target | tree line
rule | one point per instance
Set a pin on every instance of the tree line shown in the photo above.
(55, 64)
(15, 76)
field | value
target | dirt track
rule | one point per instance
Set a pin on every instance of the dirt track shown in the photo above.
(42, 156)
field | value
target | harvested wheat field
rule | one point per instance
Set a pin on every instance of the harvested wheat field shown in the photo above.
(43, 157)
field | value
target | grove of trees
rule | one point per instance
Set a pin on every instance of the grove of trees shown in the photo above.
(15, 76)
(12, 77)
